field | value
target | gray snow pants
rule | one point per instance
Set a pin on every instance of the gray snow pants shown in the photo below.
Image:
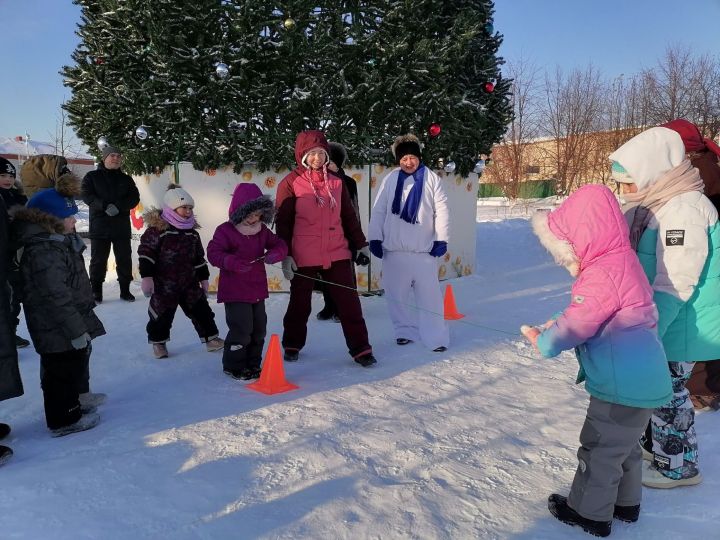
(610, 460)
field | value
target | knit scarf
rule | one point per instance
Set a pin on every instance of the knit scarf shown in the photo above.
(318, 180)
(640, 207)
(412, 203)
(249, 230)
(179, 222)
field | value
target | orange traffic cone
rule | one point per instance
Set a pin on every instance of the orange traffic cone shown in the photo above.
(272, 378)
(451, 311)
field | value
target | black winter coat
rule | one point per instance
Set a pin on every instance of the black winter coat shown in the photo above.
(57, 296)
(10, 382)
(13, 197)
(102, 187)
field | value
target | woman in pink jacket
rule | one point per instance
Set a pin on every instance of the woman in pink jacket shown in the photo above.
(317, 221)
(611, 323)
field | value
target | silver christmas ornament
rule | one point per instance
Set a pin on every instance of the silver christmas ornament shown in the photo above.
(450, 167)
(222, 70)
(479, 166)
(141, 133)
(102, 142)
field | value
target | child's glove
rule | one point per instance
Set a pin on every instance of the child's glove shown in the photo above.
(289, 267)
(111, 210)
(531, 333)
(439, 248)
(376, 248)
(147, 286)
(363, 257)
(205, 285)
(81, 342)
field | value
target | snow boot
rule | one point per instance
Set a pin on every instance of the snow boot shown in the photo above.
(214, 344)
(90, 401)
(160, 350)
(291, 355)
(125, 293)
(21, 342)
(325, 314)
(366, 360)
(244, 374)
(628, 514)
(4, 431)
(97, 292)
(403, 341)
(653, 478)
(5, 454)
(558, 506)
(87, 421)
(441, 348)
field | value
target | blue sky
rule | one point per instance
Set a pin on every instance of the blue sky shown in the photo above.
(617, 36)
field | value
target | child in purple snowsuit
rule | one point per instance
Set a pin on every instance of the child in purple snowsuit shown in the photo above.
(174, 272)
(240, 248)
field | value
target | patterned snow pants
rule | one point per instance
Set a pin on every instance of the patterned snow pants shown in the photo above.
(674, 442)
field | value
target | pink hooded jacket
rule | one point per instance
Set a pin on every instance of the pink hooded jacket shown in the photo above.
(611, 320)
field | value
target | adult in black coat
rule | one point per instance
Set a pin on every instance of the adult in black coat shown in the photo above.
(110, 194)
(10, 382)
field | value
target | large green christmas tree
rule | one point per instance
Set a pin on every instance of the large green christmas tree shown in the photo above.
(227, 82)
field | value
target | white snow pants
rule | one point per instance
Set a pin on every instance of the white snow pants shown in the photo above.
(404, 273)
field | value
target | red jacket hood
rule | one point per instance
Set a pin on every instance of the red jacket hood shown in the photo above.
(306, 141)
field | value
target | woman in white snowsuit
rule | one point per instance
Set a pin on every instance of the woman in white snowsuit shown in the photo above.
(409, 229)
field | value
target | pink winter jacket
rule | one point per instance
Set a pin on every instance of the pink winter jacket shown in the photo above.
(611, 320)
(316, 235)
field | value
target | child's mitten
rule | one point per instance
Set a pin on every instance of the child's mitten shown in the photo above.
(147, 285)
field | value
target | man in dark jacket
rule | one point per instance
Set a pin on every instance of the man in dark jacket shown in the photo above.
(110, 194)
(10, 382)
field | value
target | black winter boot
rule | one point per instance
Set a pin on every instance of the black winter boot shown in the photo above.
(628, 514)
(558, 506)
(5, 454)
(125, 293)
(325, 314)
(4, 431)
(97, 291)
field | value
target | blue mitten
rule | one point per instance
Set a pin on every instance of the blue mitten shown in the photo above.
(376, 248)
(439, 248)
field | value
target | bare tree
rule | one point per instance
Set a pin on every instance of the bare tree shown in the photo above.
(510, 159)
(63, 140)
(572, 115)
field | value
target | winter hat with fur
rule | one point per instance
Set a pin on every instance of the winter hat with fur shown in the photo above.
(246, 199)
(6, 167)
(406, 144)
(53, 203)
(175, 197)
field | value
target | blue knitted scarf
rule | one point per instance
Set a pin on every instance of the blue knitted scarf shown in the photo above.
(412, 203)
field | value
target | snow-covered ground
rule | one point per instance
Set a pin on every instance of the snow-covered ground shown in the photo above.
(462, 444)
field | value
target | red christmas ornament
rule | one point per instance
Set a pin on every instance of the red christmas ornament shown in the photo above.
(489, 86)
(100, 60)
(434, 130)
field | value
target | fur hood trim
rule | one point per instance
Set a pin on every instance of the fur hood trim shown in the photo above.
(561, 250)
(264, 204)
(46, 221)
(68, 185)
(153, 218)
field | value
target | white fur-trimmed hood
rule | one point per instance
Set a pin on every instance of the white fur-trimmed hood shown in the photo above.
(561, 250)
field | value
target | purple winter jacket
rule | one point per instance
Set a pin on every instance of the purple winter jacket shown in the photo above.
(239, 256)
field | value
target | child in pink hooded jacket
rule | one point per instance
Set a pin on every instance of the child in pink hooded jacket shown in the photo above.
(240, 248)
(611, 323)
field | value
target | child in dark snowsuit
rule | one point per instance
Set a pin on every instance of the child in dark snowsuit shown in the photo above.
(174, 272)
(240, 248)
(58, 307)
